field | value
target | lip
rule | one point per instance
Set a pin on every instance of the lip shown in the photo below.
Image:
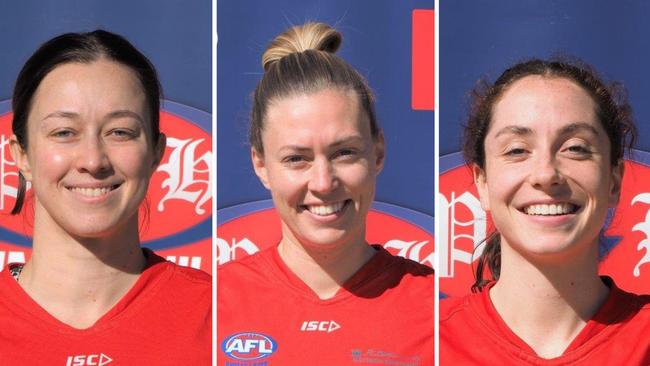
(319, 211)
(550, 219)
(92, 192)
(549, 202)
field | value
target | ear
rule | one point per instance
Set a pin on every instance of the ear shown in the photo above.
(380, 151)
(481, 185)
(616, 182)
(159, 150)
(20, 157)
(260, 167)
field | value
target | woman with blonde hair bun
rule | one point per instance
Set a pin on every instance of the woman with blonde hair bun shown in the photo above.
(323, 295)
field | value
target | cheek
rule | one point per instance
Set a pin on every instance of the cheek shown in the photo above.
(359, 177)
(49, 164)
(287, 186)
(132, 161)
(502, 183)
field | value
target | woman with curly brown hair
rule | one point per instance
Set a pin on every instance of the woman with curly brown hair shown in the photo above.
(546, 144)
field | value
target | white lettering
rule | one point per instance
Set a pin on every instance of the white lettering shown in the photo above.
(88, 360)
(185, 261)
(247, 345)
(411, 250)
(227, 252)
(7, 169)
(448, 252)
(322, 326)
(12, 257)
(643, 227)
(182, 169)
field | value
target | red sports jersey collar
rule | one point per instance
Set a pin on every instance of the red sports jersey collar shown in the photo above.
(617, 307)
(153, 276)
(361, 281)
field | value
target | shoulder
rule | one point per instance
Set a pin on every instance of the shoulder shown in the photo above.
(395, 274)
(633, 307)
(251, 269)
(404, 265)
(191, 275)
(249, 263)
(452, 308)
(179, 279)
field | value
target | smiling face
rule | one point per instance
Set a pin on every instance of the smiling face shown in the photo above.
(90, 153)
(320, 163)
(548, 179)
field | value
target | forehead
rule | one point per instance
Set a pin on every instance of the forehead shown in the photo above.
(98, 85)
(544, 102)
(326, 113)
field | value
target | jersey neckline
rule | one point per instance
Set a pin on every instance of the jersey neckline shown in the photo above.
(148, 283)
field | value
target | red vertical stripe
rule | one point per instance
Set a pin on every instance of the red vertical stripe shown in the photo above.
(422, 65)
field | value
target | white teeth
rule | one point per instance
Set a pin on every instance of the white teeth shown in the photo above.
(91, 192)
(548, 210)
(324, 210)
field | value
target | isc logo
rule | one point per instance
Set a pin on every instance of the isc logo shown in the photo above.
(249, 346)
(320, 326)
(88, 360)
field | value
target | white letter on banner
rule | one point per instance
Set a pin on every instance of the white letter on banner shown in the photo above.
(227, 252)
(181, 168)
(448, 253)
(410, 250)
(5, 172)
(643, 227)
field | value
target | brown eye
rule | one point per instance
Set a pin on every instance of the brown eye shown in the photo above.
(63, 134)
(122, 134)
(516, 151)
(294, 159)
(579, 149)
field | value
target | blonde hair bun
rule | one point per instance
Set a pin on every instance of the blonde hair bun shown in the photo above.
(300, 38)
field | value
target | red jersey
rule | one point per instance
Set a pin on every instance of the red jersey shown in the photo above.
(164, 319)
(473, 333)
(267, 316)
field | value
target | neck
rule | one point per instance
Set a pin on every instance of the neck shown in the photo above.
(77, 280)
(547, 303)
(324, 269)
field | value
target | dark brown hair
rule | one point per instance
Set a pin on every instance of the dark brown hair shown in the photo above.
(301, 60)
(81, 48)
(612, 109)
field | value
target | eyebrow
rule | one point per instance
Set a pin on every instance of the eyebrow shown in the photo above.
(120, 113)
(568, 129)
(515, 130)
(335, 144)
(578, 126)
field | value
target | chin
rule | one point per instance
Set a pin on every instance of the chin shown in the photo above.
(94, 227)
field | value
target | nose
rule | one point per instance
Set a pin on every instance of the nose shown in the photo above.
(323, 177)
(91, 156)
(545, 173)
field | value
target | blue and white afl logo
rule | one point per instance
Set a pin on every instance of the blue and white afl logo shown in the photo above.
(248, 346)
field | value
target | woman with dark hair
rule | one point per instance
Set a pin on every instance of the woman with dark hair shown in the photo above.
(546, 144)
(87, 138)
(323, 295)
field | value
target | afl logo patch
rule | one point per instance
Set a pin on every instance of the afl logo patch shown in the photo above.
(249, 346)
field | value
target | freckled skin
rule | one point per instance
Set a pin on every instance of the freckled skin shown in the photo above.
(547, 163)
